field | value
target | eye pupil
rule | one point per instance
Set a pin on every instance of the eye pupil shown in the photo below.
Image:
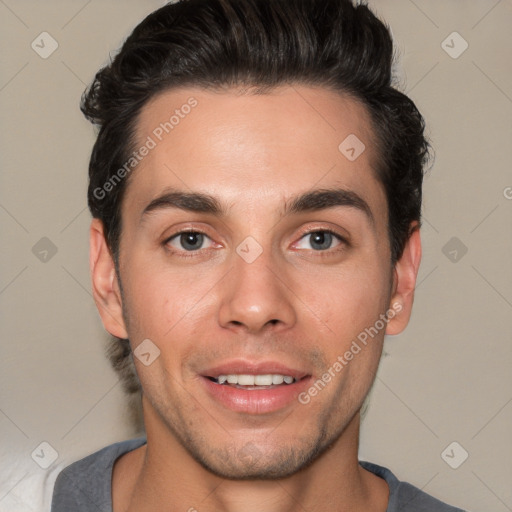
(321, 240)
(191, 241)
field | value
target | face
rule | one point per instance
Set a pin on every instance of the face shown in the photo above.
(253, 251)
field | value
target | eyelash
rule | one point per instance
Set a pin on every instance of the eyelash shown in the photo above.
(183, 253)
(192, 254)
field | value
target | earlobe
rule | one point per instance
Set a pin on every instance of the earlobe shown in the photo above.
(105, 288)
(405, 274)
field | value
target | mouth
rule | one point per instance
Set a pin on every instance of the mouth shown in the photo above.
(254, 382)
(255, 388)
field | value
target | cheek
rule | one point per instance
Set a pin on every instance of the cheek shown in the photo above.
(350, 299)
(161, 301)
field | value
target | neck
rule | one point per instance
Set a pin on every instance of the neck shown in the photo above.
(163, 475)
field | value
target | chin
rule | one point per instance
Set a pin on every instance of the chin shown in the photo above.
(251, 462)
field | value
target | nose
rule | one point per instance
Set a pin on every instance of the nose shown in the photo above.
(255, 296)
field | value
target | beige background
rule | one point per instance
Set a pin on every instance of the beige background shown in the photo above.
(447, 378)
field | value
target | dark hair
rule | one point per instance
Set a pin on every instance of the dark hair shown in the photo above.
(264, 44)
(258, 44)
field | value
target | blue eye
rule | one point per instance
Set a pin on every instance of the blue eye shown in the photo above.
(320, 240)
(188, 240)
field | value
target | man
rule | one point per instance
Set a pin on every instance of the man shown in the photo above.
(256, 193)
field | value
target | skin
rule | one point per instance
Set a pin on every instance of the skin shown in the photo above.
(294, 304)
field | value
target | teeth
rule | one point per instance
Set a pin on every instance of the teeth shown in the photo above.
(255, 380)
(277, 379)
(263, 380)
(245, 380)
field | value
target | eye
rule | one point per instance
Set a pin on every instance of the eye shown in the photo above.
(189, 241)
(320, 240)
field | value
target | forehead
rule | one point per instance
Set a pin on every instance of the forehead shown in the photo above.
(254, 148)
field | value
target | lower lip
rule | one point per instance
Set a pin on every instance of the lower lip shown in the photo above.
(256, 401)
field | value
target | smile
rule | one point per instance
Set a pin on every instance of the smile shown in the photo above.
(254, 388)
(246, 381)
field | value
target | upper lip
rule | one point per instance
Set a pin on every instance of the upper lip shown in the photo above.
(244, 367)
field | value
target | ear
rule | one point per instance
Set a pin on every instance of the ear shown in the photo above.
(404, 283)
(105, 287)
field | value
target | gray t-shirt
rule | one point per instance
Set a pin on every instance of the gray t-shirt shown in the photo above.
(85, 486)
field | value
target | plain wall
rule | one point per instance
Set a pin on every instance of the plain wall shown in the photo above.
(446, 378)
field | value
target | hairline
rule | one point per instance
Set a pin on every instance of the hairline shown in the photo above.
(376, 161)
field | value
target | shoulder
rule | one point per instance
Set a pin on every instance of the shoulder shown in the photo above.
(404, 496)
(85, 485)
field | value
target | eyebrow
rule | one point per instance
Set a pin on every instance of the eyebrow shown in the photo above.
(315, 200)
(323, 199)
(189, 201)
